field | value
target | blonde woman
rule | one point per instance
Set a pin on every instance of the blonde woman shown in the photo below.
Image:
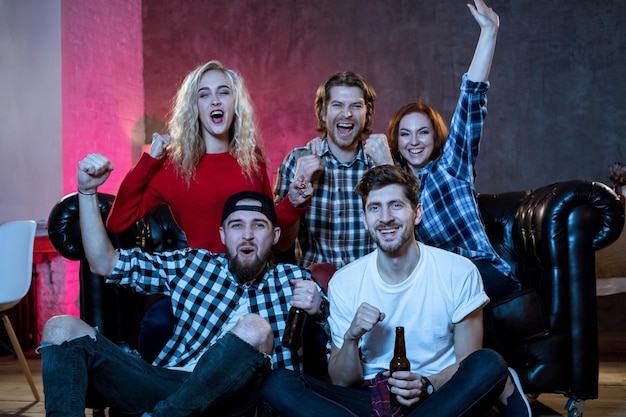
(211, 153)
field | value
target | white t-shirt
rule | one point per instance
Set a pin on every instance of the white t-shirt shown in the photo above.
(440, 292)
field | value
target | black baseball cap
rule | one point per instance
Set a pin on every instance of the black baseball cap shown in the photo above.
(266, 207)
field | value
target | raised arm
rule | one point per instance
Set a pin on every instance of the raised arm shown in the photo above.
(345, 367)
(134, 197)
(462, 146)
(294, 189)
(101, 255)
(483, 54)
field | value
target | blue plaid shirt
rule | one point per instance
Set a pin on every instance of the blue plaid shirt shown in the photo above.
(333, 229)
(204, 295)
(451, 218)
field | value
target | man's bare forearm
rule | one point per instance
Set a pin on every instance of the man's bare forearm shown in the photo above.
(99, 251)
(345, 367)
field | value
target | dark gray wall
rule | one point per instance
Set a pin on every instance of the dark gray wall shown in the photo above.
(556, 107)
(558, 104)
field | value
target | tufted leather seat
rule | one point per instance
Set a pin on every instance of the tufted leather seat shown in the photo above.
(549, 236)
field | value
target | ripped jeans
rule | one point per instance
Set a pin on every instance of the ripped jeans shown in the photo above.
(226, 381)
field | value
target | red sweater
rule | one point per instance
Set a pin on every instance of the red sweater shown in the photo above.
(197, 209)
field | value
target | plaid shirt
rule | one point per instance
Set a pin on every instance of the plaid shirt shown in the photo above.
(380, 397)
(204, 296)
(332, 229)
(451, 218)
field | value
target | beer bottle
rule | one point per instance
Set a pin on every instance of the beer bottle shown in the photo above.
(292, 338)
(294, 329)
(399, 362)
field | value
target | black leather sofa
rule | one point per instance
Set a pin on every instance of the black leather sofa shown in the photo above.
(548, 332)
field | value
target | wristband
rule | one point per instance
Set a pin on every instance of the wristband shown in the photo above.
(83, 193)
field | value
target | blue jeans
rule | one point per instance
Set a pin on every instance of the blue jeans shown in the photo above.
(471, 391)
(157, 326)
(226, 381)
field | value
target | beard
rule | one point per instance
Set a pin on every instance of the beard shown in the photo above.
(343, 142)
(249, 270)
(394, 247)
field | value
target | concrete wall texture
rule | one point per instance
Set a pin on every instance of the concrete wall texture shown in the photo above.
(79, 77)
(71, 83)
(102, 84)
(557, 107)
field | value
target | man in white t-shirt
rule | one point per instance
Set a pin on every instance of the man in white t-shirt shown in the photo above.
(437, 296)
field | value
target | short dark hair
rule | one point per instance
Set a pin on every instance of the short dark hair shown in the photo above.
(383, 175)
(344, 79)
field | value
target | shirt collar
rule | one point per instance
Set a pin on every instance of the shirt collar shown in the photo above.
(360, 154)
(257, 284)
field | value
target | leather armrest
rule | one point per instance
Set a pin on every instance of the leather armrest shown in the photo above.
(547, 211)
(64, 225)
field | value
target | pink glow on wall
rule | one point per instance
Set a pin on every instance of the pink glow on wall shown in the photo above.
(102, 96)
(102, 84)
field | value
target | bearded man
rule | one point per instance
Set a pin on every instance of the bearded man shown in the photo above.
(435, 295)
(230, 312)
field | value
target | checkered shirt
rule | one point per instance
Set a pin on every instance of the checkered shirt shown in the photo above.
(333, 229)
(204, 294)
(451, 218)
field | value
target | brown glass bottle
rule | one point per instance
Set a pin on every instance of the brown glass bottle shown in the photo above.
(399, 362)
(294, 329)
(292, 338)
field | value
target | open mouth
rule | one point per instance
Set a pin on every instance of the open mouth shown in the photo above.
(345, 128)
(217, 116)
(246, 250)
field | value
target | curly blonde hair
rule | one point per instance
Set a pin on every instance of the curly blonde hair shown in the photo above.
(187, 145)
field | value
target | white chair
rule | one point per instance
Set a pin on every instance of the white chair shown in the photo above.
(16, 267)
